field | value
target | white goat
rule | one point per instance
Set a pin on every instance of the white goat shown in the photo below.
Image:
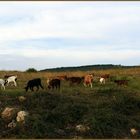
(12, 79)
(2, 83)
(102, 80)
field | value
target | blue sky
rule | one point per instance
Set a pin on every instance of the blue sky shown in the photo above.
(58, 34)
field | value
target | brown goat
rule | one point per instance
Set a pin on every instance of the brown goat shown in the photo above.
(121, 82)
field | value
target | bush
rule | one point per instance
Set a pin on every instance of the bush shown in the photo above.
(31, 70)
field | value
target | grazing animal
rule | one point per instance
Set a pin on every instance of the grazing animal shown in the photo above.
(3, 83)
(121, 82)
(34, 83)
(75, 80)
(88, 79)
(12, 79)
(7, 76)
(54, 83)
(105, 76)
(63, 77)
(102, 80)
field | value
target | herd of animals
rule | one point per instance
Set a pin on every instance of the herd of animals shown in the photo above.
(87, 80)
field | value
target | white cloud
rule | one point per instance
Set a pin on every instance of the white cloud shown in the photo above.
(73, 22)
(116, 22)
(75, 54)
(42, 58)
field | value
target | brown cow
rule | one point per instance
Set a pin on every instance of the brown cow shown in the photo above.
(74, 80)
(105, 76)
(121, 82)
(88, 79)
(63, 77)
(54, 83)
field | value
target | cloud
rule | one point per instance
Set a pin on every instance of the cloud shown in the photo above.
(42, 58)
(74, 22)
(51, 34)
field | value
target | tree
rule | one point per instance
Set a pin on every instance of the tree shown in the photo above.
(31, 70)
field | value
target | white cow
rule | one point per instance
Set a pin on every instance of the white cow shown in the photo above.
(12, 79)
(102, 80)
(2, 83)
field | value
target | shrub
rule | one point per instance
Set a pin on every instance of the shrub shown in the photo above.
(31, 70)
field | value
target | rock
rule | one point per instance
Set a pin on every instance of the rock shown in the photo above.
(82, 128)
(21, 116)
(9, 113)
(12, 124)
(133, 131)
(21, 98)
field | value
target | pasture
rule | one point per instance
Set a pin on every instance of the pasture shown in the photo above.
(108, 111)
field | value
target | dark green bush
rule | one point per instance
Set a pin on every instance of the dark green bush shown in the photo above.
(31, 70)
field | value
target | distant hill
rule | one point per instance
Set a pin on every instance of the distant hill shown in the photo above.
(87, 68)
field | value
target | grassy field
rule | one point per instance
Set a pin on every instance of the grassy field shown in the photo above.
(109, 111)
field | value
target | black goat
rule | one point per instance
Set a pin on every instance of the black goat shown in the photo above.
(34, 83)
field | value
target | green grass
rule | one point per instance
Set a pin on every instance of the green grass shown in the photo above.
(109, 110)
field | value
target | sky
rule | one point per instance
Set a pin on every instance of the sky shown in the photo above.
(54, 34)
